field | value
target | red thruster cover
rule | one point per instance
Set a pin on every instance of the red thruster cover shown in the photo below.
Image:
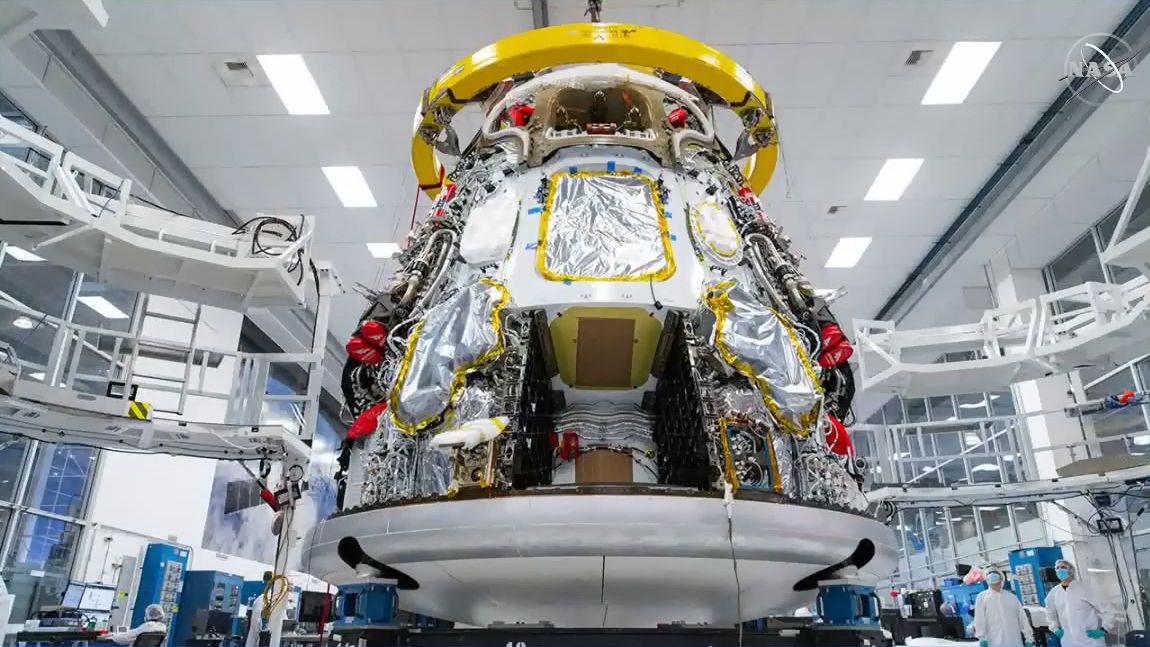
(366, 421)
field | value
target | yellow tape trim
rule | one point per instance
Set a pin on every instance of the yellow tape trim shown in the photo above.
(460, 372)
(635, 45)
(720, 304)
(664, 234)
(695, 213)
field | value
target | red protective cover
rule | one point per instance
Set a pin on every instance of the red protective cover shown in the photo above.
(836, 348)
(366, 421)
(678, 117)
(520, 115)
(837, 437)
(362, 350)
(374, 332)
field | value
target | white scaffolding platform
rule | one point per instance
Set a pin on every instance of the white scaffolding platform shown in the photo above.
(60, 414)
(909, 496)
(1050, 334)
(61, 207)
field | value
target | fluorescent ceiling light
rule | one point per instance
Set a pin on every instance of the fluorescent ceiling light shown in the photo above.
(104, 307)
(22, 254)
(39, 375)
(847, 252)
(383, 250)
(992, 508)
(959, 72)
(1143, 439)
(350, 186)
(293, 82)
(981, 404)
(985, 467)
(971, 439)
(1008, 457)
(1099, 570)
(893, 178)
(23, 323)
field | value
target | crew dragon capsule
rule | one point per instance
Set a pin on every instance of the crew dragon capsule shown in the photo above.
(599, 391)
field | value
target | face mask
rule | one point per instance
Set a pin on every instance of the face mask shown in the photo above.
(993, 578)
(1062, 573)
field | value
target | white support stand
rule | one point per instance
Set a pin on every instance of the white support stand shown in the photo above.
(83, 217)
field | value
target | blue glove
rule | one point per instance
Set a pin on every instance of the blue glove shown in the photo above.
(1029, 643)
(1095, 633)
(982, 642)
(1058, 633)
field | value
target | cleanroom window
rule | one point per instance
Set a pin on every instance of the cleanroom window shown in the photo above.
(603, 226)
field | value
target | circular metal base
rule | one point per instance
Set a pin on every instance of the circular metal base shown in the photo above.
(601, 560)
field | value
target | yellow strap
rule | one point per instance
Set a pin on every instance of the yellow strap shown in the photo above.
(633, 45)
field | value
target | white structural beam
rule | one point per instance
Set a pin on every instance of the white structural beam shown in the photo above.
(909, 496)
(1044, 335)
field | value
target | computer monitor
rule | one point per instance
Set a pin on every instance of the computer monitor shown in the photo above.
(311, 606)
(72, 595)
(97, 598)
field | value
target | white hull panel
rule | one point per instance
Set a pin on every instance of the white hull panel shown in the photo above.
(632, 560)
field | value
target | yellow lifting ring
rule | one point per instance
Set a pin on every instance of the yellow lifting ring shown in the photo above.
(635, 45)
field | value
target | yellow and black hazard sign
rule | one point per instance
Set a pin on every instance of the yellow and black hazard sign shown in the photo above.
(139, 410)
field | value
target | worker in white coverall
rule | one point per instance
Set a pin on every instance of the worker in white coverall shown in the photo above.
(999, 619)
(1072, 614)
(154, 622)
(255, 625)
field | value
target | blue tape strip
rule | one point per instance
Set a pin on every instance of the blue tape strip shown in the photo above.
(638, 171)
(667, 214)
(611, 165)
(572, 169)
(536, 209)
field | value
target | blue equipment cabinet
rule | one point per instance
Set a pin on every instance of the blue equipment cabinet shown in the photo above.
(1033, 570)
(368, 604)
(207, 596)
(161, 582)
(847, 603)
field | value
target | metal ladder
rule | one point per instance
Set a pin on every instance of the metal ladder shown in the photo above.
(166, 350)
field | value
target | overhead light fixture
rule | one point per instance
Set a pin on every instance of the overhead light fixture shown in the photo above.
(966, 62)
(103, 307)
(971, 439)
(38, 375)
(383, 250)
(1008, 458)
(893, 178)
(350, 185)
(848, 252)
(294, 84)
(981, 404)
(1142, 439)
(23, 323)
(22, 254)
(992, 509)
(1099, 570)
(985, 467)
